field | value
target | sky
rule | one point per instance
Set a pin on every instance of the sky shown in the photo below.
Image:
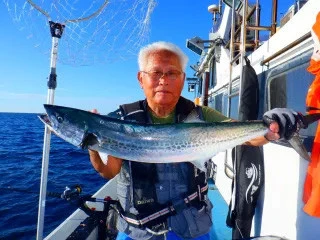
(24, 70)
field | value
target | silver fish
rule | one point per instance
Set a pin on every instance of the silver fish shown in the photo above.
(194, 142)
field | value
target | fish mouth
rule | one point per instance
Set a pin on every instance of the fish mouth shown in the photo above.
(46, 120)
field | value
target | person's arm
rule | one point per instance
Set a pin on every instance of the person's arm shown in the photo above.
(258, 141)
(271, 135)
(109, 170)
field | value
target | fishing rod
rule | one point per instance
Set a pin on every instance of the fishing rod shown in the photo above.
(69, 193)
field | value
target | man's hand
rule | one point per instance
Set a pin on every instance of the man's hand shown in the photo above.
(282, 123)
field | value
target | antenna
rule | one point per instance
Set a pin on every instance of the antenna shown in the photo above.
(214, 9)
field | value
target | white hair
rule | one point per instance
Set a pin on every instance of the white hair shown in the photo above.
(158, 46)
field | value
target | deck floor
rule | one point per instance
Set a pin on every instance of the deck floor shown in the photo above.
(220, 230)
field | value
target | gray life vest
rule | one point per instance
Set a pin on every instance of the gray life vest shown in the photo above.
(151, 193)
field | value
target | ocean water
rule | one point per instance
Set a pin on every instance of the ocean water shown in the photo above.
(21, 143)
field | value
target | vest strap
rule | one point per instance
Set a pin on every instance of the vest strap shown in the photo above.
(172, 209)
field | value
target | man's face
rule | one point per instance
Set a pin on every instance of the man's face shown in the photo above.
(164, 90)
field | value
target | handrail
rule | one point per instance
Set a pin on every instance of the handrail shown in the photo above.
(288, 47)
(228, 168)
(236, 33)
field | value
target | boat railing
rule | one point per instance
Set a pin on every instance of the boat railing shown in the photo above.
(286, 48)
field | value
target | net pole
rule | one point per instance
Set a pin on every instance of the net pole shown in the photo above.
(56, 30)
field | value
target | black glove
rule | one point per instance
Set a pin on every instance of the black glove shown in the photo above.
(286, 118)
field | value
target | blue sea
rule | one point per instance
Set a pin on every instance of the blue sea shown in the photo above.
(21, 144)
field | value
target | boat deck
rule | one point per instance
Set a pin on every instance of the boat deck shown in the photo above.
(219, 213)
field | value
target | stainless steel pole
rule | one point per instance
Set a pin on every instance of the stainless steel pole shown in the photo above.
(56, 32)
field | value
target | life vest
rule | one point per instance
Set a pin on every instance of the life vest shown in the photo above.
(248, 163)
(138, 182)
(311, 195)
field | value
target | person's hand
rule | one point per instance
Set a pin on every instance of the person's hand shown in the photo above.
(103, 156)
(96, 112)
(282, 123)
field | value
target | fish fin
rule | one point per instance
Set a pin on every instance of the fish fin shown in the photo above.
(89, 139)
(299, 147)
(193, 117)
(104, 157)
(200, 164)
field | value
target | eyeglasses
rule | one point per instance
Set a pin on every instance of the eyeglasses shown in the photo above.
(156, 75)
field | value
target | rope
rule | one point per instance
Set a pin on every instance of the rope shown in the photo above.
(70, 20)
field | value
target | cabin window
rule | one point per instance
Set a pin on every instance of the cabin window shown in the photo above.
(200, 87)
(225, 104)
(278, 92)
(213, 77)
(234, 107)
(221, 105)
(211, 101)
(218, 100)
(288, 89)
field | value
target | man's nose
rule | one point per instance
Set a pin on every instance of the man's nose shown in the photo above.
(163, 80)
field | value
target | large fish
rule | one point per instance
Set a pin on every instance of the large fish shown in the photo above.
(194, 142)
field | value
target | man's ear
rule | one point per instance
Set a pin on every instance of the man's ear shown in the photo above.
(139, 76)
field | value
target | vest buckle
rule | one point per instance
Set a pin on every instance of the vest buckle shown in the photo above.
(159, 229)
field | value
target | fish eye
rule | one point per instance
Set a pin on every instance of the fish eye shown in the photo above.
(60, 119)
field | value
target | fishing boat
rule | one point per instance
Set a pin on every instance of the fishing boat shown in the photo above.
(276, 63)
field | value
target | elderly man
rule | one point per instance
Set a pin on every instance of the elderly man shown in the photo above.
(148, 189)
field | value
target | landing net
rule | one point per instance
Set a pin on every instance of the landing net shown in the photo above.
(96, 31)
